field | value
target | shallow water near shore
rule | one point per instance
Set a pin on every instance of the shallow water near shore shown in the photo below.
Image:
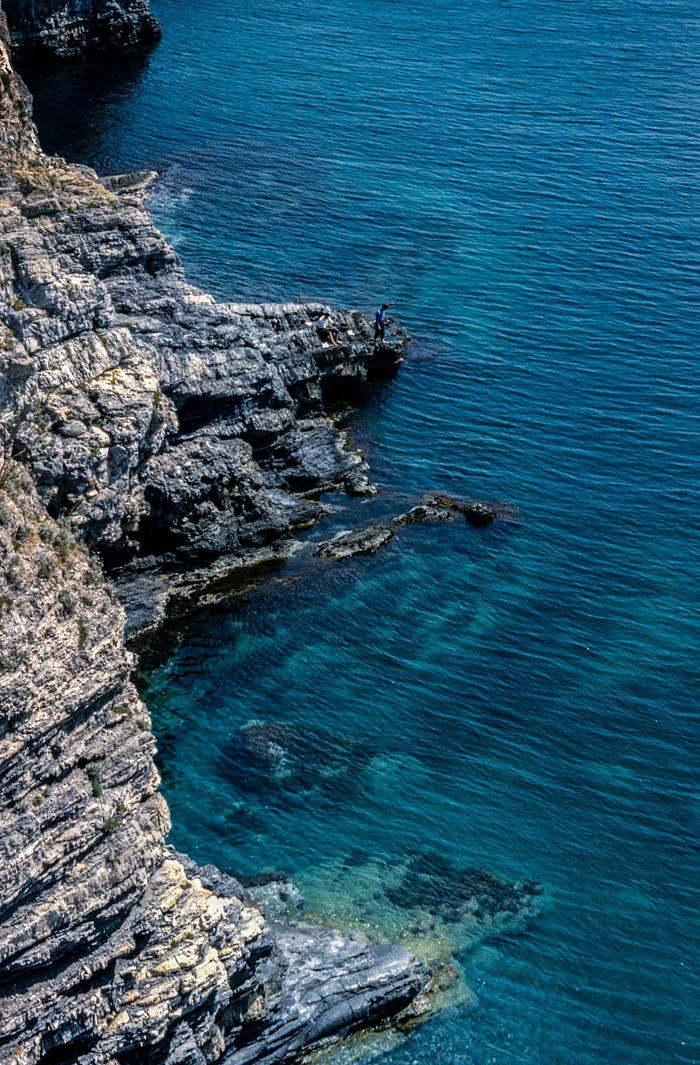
(524, 181)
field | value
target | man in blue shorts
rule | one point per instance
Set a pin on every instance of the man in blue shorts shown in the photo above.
(380, 321)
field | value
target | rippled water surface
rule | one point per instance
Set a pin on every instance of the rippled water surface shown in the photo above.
(522, 178)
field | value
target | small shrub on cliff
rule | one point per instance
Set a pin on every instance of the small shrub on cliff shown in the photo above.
(41, 795)
(22, 535)
(9, 662)
(5, 516)
(13, 479)
(64, 543)
(41, 419)
(114, 822)
(67, 601)
(47, 566)
(93, 576)
(48, 533)
(12, 573)
(93, 770)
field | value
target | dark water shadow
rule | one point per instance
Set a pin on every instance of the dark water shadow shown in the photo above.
(79, 103)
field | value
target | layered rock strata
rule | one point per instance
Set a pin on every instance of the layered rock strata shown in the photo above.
(142, 424)
(60, 28)
(112, 950)
(171, 430)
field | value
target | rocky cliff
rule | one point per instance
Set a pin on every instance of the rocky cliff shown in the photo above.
(48, 28)
(169, 430)
(157, 444)
(142, 425)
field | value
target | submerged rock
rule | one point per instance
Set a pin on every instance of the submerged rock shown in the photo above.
(439, 911)
(280, 756)
(276, 894)
(431, 882)
(475, 512)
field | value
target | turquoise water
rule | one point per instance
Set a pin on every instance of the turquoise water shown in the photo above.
(523, 179)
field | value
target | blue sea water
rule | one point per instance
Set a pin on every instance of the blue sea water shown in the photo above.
(524, 180)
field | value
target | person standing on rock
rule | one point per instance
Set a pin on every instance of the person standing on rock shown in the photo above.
(380, 321)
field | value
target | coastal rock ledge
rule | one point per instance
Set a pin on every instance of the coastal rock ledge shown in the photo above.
(142, 424)
(46, 29)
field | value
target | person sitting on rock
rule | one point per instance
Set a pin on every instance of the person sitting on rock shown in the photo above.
(328, 331)
(380, 321)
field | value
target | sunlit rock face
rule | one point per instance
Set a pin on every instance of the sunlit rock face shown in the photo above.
(140, 420)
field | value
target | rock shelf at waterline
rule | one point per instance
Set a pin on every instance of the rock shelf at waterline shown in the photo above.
(149, 429)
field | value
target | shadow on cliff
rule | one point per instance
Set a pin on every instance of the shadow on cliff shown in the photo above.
(79, 103)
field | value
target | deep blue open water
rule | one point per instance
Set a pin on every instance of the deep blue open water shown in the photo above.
(523, 178)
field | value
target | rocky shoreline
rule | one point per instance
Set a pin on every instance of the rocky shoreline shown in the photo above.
(155, 437)
(55, 29)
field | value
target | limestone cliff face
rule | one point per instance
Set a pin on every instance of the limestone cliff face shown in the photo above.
(71, 27)
(169, 429)
(112, 950)
(141, 425)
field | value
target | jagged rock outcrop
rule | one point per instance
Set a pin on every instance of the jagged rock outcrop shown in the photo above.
(433, 509)
(162, 444)
(164, 423)
(45, 28)
(109, 946)
(171, 430)
(366, 541)
(142, 424)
